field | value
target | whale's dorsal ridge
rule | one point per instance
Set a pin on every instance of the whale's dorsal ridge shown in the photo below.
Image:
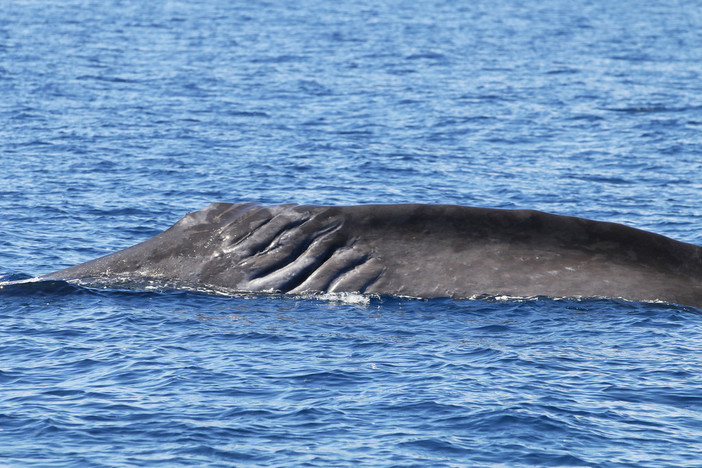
(409, 249)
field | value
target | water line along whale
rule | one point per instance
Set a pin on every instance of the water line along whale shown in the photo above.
(412, 250)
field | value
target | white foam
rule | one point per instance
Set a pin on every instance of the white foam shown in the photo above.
(343, 297)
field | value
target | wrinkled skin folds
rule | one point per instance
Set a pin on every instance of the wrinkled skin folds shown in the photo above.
(415, 250)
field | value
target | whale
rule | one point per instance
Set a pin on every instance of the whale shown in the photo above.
(412, 250)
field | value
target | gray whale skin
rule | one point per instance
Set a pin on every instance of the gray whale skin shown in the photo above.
(414, 250)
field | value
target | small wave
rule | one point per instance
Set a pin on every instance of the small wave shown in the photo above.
(644, 109)
(430, 55)
(151, 286)
(30, 286)
(33, 286)
(21, 284)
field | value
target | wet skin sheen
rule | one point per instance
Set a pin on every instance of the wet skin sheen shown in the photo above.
(412, 250)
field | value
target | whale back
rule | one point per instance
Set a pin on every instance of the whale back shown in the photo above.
(412, 249)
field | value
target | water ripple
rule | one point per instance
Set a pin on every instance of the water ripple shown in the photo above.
(119, 117)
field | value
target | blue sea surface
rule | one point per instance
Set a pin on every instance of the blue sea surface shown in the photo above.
(118, 117)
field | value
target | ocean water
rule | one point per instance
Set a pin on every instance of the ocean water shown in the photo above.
(118, 117)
